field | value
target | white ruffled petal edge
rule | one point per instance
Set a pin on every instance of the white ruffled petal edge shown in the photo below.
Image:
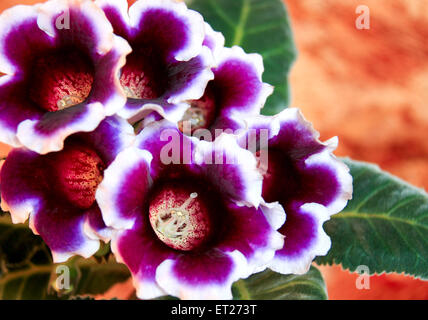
(203, 291)
(118, 100)
(193, 20)
(325, 157)
(320, 246)
(9, 19)
(20, 213)
(214, 41)
(254, 60)
(45, 143)
(242, 160)
(274, 213)
(100, 24)
(196, 88)
(121, 7)
(110, 187)
(344, 178)
(145, 289)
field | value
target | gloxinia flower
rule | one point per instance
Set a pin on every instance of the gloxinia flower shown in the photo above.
(169, 63)
(61, 61)
(57, 191)
(302, 174)
(237, 91)
(186, 214)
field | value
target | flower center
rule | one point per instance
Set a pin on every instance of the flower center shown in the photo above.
(78, 172)
(61, 80)
(143, 76)
(180, 219)
(201, 113)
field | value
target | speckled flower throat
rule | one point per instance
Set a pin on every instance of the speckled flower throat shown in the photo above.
(61, 79)
(180, 218)
(78, 172)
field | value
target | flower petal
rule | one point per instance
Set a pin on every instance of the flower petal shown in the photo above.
(95, 227)
(305, 238)
(112, 136)
(19, 38)
(231, 168)
(274, 213)
(62, 228)
(238, 82)
(152, 110)
(142, 252)
(176, 30)
(190, 78)
(167, 145)
(48, 134)
(247, 230)
(64, 20)
(208, 275)
(20, 194)
(117, 13)
(107, 88)
(126, 182)
(14, 108)
(26, 192)
(213, 40)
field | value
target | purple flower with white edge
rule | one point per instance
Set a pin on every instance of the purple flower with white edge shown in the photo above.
(169, 63)
(186, 214)
(61, 61)
(236, 91)
(301, 173)
(57, 191)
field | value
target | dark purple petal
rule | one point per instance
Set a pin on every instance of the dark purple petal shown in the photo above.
(299, 166)
(117, 13)
(304, 238)
(247, 230)
(142, 252)
(14, 108)
(21, 39)
(113, 135)
(168, 27)
(205, 275)
(61, 227)
(302, 174)
(232, 169)
(23, 184)
(121, 195)
(49, 132)
(167, 145)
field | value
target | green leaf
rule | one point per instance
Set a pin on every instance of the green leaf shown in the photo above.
(257, 26)
(269, 285)
(27, 271)
(384, 227)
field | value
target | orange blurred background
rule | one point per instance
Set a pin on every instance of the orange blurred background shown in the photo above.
(368, 87)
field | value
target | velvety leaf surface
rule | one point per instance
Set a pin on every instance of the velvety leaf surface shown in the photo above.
(259, 27)
(269, 285)
(384, 226)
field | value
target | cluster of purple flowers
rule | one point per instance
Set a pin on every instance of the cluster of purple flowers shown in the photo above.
(89, 90)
